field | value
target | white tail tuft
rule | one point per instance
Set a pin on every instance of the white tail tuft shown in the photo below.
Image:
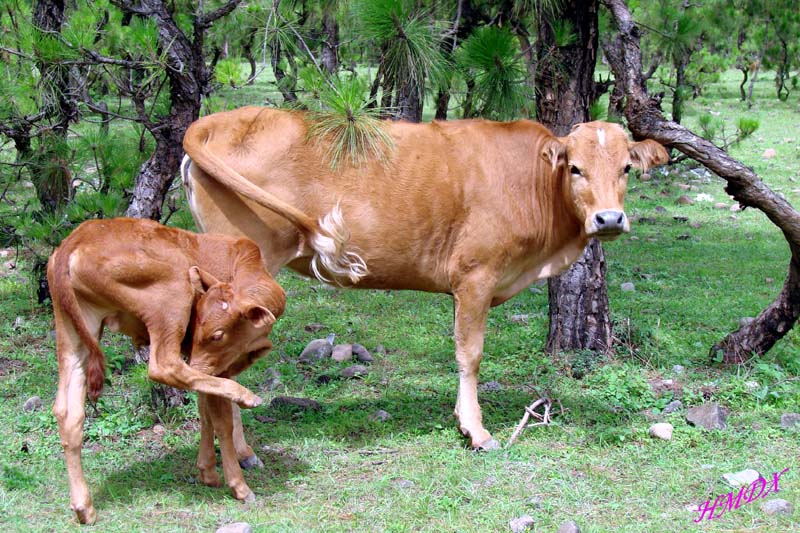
(331, 254)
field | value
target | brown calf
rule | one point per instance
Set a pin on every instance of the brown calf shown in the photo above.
(472, 208)
(161, 286)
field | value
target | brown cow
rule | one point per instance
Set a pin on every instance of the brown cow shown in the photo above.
(161, 287)
(472, 208)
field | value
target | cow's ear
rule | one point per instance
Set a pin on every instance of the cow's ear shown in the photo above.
(201, 280)
(647, 154)
(259, 316)
(554, 152)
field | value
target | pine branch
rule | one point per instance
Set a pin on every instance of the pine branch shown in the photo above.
(205, 20)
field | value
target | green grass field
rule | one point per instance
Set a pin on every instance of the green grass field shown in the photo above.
(337, 470)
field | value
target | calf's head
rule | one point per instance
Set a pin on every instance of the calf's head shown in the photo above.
(230, 329)
(594, 161)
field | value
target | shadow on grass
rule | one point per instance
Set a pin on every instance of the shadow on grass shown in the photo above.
(176, 473)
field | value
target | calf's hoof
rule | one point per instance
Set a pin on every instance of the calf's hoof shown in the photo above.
(251, 462)
(249, 402)
(243, 494)
(487, 445)
(86, 515)
(210, 478)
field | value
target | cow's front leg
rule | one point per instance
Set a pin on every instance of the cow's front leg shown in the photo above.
(221, 414)
(471, 310)
(247, 457)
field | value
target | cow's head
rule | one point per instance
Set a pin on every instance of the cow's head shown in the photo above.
(230, 329)
(595, 159)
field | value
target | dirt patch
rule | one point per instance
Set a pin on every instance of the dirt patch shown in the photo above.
(11, 366)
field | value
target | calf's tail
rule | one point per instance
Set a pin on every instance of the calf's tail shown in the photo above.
(328, 237)
(66, 304)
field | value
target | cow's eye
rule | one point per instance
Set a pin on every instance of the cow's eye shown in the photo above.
(627, 169)
(217, 336)
(575, 170)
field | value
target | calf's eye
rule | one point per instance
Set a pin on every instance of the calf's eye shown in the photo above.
(575, 170)
(217, 336)
(627, 169)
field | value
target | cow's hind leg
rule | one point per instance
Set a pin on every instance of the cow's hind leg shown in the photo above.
(244, 453)
(206, 457)
(471, 310)
(69, 412)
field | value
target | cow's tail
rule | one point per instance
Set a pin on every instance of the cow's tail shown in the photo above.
(328, 237)
(64, 299)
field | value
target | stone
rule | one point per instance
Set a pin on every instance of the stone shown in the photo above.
(709, 416)
(720, 205)
(678, 369)
(235, 527)
(790, 420)
(380, 349)
(315, 327)
(362, 354)
(769, 153)
(672, 406)
(777, 506)
(684, 186)
(519, 319)
(158, 429)
(490, 386)
(355, 371)
(751, 386)
(379, 416)
(735, 208)
(769, 280)
(404, 483)
(661, 430)
(342, 352)
(317, 350)
(628, 287)
(695, 225)
(684, 200)
(569, 527)
(660, 209)
(523, 523)
(680, 218)
(745, 320)
(645, 177)
(32, 404)
(303, 404)
(739, 479)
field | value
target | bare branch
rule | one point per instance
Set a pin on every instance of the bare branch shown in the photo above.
(205, 21)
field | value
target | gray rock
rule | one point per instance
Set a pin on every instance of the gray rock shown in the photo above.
(313, 328)
(236, 527)
(490, 386)
(720, 205)
(342, 352)
(380, 349)
(776, 506)
(273, 379)
(32, 404)
(751, 386)
(744, 321)
(317, 350)
(535, 290)
(303, 404)
(662, 430)
(519, 319)
(678, 369)
(672, 406)
(739, 479)
(404, 483)
(627, 287)
(523, 523)
(379, 416)
(362, 354)
(536, 501)
(660, 209)
(709, 415)
(790, 420)
(569, 527)
(355, 371)
(684, 200)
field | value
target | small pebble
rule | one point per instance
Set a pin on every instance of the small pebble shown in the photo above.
(661, 430)
(355, 371)
(379, 416)
(738, 479)
(777, 506)
(236, 527)
(523, 523)
(627, 287)
(32, 404)
(362, 354)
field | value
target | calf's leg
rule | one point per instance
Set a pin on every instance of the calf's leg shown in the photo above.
(471, 310)
(69, 412)
(206, 457)
(247, 457)
(221, 414)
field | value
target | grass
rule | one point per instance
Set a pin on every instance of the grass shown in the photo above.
(336, 470)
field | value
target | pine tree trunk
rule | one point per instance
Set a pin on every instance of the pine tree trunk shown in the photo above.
(330, 43)
(579, 311)
(409, 104)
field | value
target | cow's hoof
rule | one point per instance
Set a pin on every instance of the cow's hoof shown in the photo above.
(250, 498)
(251, 462)
(86, 515)
(488, 444)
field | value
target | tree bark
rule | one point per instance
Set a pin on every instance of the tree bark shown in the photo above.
(330, 43)
(645, 119)
(49, 167)
(579, 310)
(409, 102)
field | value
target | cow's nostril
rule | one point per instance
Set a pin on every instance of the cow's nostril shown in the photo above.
(600, 220)
(620, 219)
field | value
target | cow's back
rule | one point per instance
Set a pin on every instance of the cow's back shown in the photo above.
(442, 185)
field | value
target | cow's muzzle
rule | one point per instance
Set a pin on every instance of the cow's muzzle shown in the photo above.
(608, 225)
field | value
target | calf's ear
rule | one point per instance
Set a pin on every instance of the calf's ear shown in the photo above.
(201, 280)
(647, 154)
(259, 316)
(554, 152)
